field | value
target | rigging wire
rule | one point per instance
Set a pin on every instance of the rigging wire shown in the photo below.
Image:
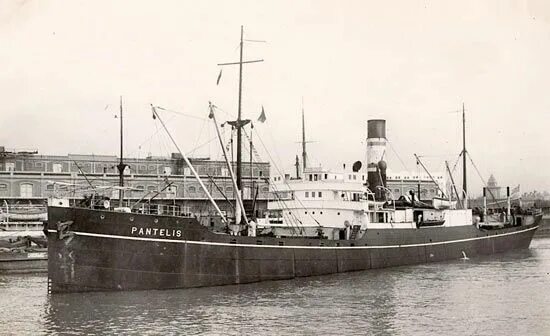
(192, 152)
(398, 157)
(456, 162)
(149, 139)
(483, 180)
(180, 113)
(211, 178)
(226, 113)
(280, 173)
(289, 215)
(292, 219)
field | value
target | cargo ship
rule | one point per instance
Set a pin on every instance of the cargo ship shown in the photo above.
(347, 225)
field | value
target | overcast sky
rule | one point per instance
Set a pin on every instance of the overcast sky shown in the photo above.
(413, 63)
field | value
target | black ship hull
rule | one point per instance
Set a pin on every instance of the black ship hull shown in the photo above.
(94, 250)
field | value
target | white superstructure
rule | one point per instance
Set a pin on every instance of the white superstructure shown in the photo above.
(339, 205)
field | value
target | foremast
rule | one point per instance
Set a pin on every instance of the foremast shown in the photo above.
(121, 166)
(239, 123)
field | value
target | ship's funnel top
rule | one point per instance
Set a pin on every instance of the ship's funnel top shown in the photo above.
(376, 128)
(376, 151)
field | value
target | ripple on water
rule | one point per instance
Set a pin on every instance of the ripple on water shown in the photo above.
(504, 294)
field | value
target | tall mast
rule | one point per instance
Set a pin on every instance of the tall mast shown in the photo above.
(304, 153)
(464, 153)
(239, 123)
(239, 131)
(121, 166)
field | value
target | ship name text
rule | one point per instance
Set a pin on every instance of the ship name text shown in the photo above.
(155, 232)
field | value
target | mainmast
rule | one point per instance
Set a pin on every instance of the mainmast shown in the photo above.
(239, 127)
(304, 153)
(121, 166)
(239, 123)
(464, 153)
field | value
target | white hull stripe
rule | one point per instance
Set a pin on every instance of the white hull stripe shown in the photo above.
(99, 235)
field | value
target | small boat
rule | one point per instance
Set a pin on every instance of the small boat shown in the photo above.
(23, 255)
(23, 261)
(441, 203)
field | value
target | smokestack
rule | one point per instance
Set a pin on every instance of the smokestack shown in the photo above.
(376, 150)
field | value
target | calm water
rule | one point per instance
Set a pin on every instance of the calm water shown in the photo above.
(499, 295)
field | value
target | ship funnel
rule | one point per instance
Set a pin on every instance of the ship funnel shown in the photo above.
(376, 152)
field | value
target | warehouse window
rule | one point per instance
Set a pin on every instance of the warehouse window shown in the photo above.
(25, 190)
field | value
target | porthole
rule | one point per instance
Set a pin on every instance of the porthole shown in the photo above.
(131, 219)
(102, 216)
(156, 220)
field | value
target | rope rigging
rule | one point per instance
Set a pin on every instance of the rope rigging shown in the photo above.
(483, 180)
(285, 182)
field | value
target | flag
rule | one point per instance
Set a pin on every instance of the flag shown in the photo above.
(153, 110)
(219, 77)
(262, 117)
(211, 108)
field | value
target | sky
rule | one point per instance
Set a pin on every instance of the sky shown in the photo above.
(412, 63)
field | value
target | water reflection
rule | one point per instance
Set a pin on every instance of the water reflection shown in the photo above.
(482, 296)
(365, 299)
